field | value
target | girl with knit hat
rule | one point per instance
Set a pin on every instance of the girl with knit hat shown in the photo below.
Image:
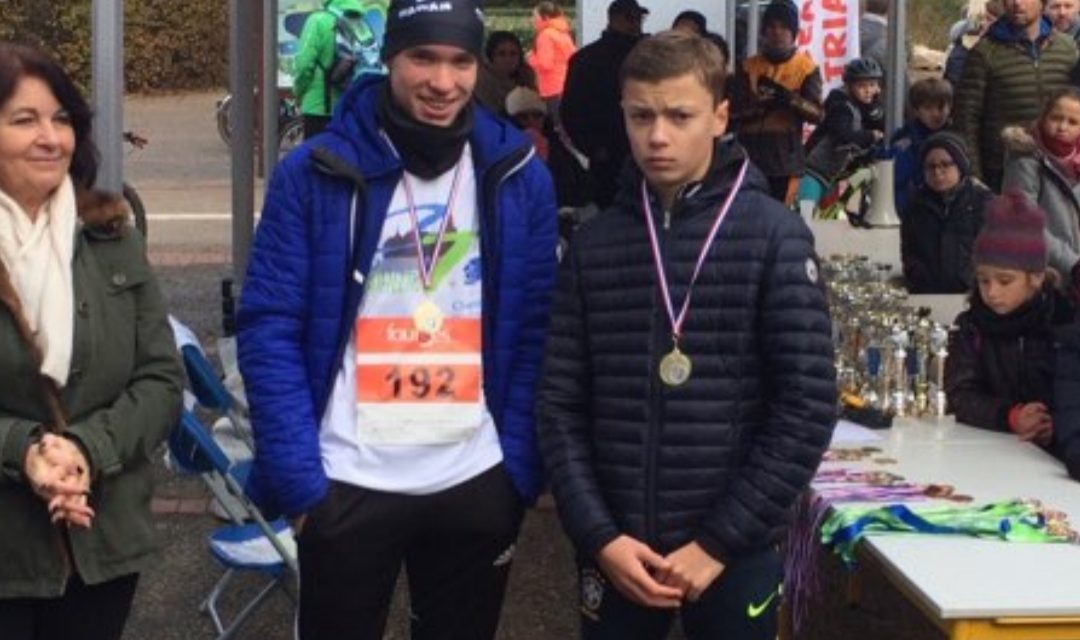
(1043, 162)
(940, 222)
(1000, 371)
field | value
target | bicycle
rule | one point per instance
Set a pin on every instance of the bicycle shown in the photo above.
(135, 203)
(290, 124)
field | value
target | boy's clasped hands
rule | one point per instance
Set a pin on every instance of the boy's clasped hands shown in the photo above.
(650, 579)
(59, 474)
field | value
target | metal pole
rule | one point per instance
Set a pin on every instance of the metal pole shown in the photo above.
(269, 88)
(579, 23)
(242, 115)
(753, 27)
(729, 24)
(896, 66)
(107, 70)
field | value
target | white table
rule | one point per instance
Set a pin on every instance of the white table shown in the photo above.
(981, 589)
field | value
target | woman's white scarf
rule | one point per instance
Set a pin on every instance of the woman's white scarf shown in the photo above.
(38, 257)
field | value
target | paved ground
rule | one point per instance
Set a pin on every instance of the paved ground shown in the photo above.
(183, 177)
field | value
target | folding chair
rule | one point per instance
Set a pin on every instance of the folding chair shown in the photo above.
(264, 547)
(210, 392)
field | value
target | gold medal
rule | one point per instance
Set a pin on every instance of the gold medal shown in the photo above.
(428, 317)
(675, 368)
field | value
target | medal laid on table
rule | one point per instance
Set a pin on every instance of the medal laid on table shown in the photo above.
(428, 317)
(675, 366)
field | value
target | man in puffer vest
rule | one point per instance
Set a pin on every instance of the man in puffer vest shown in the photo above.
(678, 431)
(391, 329)
(777, 92)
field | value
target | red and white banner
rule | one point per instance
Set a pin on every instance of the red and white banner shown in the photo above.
(829, 32)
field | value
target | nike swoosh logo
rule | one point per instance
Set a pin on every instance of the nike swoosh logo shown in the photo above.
(754, 611)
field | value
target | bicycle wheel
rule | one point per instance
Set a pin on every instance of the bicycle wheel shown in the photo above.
(138, 211)
(224, 126)
(291, 136)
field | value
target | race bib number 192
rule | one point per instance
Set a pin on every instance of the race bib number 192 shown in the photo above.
(416, 387)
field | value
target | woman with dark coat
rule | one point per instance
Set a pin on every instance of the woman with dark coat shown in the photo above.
(90, 384)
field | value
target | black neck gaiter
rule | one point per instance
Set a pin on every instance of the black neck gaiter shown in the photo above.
(427, 151)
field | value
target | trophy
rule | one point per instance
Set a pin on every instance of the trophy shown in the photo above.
(939, 344)
(898, 384)
(889, 356)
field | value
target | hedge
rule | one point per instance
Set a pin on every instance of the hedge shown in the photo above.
(168, 45)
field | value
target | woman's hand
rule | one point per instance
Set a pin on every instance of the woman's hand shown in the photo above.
(59, 474)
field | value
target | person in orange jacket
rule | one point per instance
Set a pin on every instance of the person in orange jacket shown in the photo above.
(551, 53)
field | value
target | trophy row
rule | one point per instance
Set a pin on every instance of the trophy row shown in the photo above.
(889, 355)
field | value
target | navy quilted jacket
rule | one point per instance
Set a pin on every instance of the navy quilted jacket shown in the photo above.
(721, 459)
(303, 288)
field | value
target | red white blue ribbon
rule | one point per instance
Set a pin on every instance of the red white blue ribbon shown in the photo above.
(427, 267)
(677, 321)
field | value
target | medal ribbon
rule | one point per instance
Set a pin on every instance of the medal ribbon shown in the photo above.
(1014, 521)
(426, 267)
(677, 321)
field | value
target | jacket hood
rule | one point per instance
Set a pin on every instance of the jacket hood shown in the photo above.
(728, 156)
(1003, 30)
(100, 210)
(837, 96)
(341, 6)
(1018, 140)
(558, 23)
(355, 138)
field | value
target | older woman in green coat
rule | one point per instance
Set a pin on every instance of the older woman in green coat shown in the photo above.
(90, 383)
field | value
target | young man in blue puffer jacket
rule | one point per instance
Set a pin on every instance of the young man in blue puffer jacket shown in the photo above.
(390, 332)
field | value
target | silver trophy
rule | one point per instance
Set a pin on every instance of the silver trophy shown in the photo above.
(939, 344)
(898, 374)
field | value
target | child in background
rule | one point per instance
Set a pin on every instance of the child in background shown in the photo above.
(1000, 371)
(1043, 162)
(938, 228)
(854, 123)
(777, 92)
(502, 69)
(529, 113)
(931, 102)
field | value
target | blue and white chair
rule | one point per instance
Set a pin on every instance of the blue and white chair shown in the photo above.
(250, 543)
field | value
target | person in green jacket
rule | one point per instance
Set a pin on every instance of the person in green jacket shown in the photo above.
(336, 45)
(90, 381)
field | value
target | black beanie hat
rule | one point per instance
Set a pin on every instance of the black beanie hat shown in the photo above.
(953, 145)
(410, 23)
(783, 11)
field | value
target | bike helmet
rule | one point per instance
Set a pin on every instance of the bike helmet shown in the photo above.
(863, 69)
